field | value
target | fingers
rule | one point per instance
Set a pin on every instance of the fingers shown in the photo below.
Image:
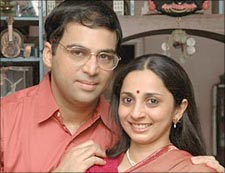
(93, 160)
(203, 159)
(216, 166)
(89, 148)
(209, 161)
(81, 157)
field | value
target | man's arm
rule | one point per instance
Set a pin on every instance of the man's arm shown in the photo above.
(210, 161)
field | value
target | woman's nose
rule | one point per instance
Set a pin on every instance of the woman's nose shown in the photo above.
(138, 111)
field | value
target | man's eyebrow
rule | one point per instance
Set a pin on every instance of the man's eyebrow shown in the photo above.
(75, 45)
(107, 50)
(81, 46)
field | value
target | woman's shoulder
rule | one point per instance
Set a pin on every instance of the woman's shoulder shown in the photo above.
(185, 164)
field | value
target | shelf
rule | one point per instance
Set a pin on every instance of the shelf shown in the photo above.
(33, 63)
(25, 18)
(24, 22)
(20, 59)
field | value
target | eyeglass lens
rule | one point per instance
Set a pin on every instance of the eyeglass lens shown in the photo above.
(107, 61)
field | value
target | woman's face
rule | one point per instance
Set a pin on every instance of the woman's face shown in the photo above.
(146, 108)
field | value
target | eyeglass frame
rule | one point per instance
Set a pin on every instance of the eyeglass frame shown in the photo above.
(116, 57)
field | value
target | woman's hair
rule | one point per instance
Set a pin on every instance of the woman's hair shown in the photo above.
(187, 135)
(89, 13)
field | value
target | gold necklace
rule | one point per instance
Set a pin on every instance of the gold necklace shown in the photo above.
(132, 163)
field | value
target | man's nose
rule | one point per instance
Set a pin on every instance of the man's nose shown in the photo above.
(91, 66)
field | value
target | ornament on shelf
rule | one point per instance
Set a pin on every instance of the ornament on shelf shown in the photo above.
(10, 48)
(7, 5)
(179, 39)
(178, 8)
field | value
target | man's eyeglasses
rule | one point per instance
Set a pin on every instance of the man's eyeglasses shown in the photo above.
(106, 60)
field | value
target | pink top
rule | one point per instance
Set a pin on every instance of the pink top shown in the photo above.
(110, 166)
(33, 137)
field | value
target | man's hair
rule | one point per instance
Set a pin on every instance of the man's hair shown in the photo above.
(89, 13)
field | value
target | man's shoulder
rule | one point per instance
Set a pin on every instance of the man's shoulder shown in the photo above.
(18, 96)
(26, 93)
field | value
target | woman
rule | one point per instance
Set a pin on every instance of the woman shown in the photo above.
(157, 119)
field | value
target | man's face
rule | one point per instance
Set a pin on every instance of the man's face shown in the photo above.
(73, 81)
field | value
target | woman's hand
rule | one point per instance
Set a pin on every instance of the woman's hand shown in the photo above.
(210, 161)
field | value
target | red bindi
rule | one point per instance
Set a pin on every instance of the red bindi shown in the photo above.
(138, 91)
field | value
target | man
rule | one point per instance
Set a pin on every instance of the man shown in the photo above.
(62, 124)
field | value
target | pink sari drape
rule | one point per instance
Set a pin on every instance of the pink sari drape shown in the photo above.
(167, 159)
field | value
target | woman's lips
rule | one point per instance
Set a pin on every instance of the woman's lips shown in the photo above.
(140, 127)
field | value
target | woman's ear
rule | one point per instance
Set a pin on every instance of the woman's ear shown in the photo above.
(47, 55)
(180, 110)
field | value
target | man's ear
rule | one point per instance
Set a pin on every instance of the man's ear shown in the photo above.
(180, 110)
(47, 55)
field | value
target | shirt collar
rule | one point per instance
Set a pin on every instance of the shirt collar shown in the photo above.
(103, 110)
(48, 106)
